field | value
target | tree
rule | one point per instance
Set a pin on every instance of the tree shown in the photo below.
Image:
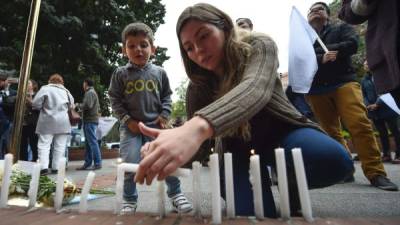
(77, 39)
(358, 59)
(179, 106)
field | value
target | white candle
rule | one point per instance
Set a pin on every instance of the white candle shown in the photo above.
(196, 167)
(161, 199)
(119, 187)
(302, 184)
(34, 185)
(8, 161)
(215, 189)
(255, 180)
(85, 192)
(229, 190)
(282, 183)
(60, 184)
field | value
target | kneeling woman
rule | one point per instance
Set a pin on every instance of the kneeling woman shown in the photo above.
(235, 94)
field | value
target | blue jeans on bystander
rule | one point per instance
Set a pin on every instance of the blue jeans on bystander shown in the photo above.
(92, 153)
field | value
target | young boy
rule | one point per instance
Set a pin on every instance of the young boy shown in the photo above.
(140, 91)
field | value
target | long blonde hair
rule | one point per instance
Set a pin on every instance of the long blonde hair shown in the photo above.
(236, 53)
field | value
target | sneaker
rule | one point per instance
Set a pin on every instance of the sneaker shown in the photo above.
(181, 204)
(84, 167)
(383, 183)
(95, 167)
(54, 171)
(128, 208)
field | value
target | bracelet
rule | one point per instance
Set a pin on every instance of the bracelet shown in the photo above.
(124, 119)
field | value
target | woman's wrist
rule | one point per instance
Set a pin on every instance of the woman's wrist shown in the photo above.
(201, 127)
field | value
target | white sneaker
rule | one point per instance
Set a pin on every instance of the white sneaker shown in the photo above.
(181, 204)
(128, 208)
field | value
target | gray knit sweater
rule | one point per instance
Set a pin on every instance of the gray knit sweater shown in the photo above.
(260, 90)
(141, 93)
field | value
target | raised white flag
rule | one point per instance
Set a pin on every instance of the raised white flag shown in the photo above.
(302, 59)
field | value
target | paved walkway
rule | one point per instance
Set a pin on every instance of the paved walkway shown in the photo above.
(20, 216)
(354, 203)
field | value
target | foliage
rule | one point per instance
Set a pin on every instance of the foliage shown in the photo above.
(358, 59)
(77, 39)
(179, 106)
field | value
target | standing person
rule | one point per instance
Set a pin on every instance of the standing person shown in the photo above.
(53, 125)
(235, 95)
(382, 116)
(140, 92)
(245, 23)
(90, 108)
(336, 97)
(31, 116)
(382, 40)
(7, 101)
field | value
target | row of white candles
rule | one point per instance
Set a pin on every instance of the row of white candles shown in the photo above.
(255, 180)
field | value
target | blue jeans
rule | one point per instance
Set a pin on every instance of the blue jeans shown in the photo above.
(130, 145)
(326, 162)
(92, 153)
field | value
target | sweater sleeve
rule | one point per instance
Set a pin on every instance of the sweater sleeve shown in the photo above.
(165, 96)
(115, 91)
(251, 94)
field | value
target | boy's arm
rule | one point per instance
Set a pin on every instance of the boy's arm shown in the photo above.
(115, 91)
(165, 94)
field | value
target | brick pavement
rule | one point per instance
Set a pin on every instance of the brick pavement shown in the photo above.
(21, 216)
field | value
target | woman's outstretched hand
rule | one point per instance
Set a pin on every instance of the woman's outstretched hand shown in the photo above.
(171, 148)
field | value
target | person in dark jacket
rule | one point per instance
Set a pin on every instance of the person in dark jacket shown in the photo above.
(336, 97)
(381, 115)
(90, 107)
(7, 105)
(382, 39)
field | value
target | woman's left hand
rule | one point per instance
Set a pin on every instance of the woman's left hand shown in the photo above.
(171, 149)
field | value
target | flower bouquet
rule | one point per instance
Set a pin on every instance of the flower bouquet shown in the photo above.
(47, 187)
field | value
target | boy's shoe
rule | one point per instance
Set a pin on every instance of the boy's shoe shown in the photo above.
(54, 171)
(128, 208)
(383, 183)
(181, 204)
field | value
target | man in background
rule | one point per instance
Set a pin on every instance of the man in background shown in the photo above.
(90, 107)
(245, 23)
